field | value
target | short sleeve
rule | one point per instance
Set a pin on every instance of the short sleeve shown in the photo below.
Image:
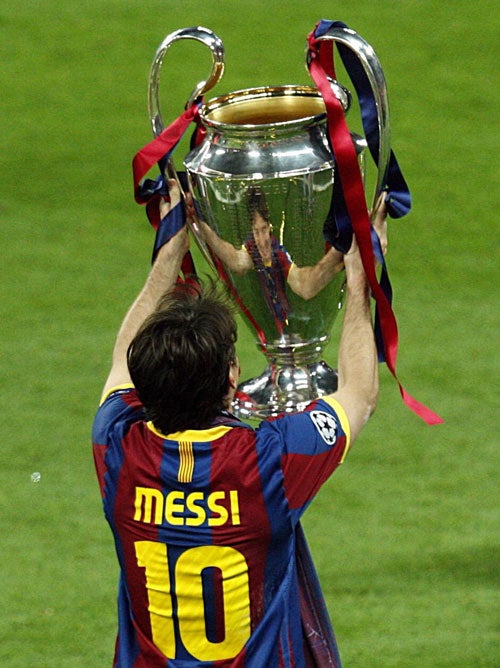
(313, 444)
(120, 405)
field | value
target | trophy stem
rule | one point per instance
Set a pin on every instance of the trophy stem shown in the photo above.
(295, 376)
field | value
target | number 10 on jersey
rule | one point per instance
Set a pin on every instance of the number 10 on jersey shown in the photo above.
(187, 588)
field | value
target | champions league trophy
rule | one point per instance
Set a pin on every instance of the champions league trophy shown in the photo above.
(263, 183)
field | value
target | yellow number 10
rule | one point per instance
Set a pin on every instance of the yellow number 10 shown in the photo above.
(188, 587)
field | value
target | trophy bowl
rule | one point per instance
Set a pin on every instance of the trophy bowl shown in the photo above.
(262, 182)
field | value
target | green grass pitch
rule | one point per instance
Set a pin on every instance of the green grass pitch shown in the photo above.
(405, 535)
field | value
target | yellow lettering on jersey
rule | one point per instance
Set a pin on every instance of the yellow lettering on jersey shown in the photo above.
(220, 514)
(191, 608)
(144, 498)
(153, 557)
(172, 506)
(235, 507)
(180, 509)
(193, 507)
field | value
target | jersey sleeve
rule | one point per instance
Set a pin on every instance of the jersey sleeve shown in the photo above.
(119, 408)
(313, 443)
(121, 404)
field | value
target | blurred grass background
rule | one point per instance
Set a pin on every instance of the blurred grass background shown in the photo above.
(405, 535)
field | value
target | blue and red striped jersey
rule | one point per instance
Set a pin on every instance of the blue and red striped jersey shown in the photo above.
(205, 525)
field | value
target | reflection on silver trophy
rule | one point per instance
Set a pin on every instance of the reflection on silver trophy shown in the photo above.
(262, 181)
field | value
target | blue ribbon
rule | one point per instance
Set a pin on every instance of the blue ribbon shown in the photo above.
(151, 191)
(169, 226)
(152, 188)
(398, 198)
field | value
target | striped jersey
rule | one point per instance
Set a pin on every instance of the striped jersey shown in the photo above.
(205, 525)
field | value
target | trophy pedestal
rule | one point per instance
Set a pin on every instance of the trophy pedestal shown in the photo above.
(283, 389)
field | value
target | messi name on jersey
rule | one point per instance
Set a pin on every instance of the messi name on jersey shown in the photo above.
(193, 509)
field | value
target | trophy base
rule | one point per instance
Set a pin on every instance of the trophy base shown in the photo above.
(285, 389)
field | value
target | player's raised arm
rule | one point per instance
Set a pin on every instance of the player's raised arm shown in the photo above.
(162, 277)
(358, 381)
(357, 363)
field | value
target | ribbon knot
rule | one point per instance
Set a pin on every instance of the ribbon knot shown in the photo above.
(150, 192)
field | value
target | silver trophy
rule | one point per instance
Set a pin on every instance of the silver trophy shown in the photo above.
(262, 181)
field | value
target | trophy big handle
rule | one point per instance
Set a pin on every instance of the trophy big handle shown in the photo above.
(199, 34)
(371, 65)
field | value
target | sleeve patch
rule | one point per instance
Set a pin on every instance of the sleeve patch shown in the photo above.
(326, 425)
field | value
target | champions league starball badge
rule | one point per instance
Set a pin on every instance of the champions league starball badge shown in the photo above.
(326, 426)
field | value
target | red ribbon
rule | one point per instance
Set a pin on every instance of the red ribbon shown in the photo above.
(321, 63)
(161, 145)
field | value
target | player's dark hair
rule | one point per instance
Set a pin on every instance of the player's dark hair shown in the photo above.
(179, 360)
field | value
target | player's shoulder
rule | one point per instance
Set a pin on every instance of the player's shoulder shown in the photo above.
(323, 417)
(125, 393)
(329, 406)
(119, 404)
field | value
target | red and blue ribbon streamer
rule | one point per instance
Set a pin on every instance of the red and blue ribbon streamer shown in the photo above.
(321, 67)
(150, 191)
